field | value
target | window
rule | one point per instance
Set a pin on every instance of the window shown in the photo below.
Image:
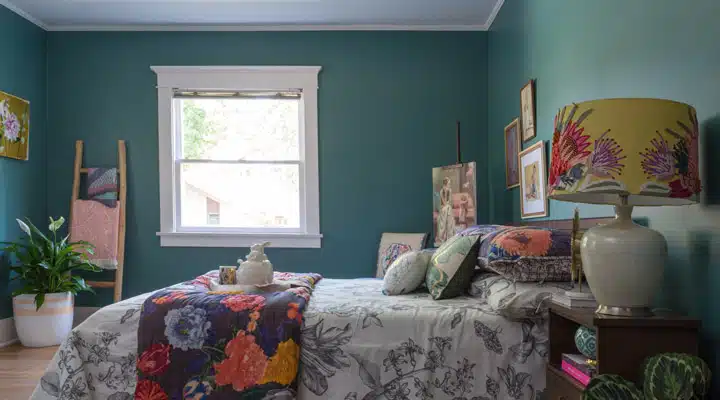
(238, 156)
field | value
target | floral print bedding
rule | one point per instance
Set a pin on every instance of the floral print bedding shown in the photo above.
(196, 343)
(356, 343)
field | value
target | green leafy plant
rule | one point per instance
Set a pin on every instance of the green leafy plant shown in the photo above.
(46, 263)
(668, 376)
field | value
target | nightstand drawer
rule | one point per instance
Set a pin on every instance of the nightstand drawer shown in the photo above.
(561, 387)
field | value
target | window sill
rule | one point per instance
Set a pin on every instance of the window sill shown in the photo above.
(215, 239)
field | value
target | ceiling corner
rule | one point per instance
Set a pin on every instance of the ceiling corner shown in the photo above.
(494, 14)
(19, 11)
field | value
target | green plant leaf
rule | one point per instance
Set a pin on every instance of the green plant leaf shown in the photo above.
(39, 300)
(611, 387)
(669, 376)
(36, 231)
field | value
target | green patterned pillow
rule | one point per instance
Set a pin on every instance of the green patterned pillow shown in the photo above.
(452, 266)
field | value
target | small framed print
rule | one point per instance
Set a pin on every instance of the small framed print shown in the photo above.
(512, 147)
(533, 182)
(527, 110)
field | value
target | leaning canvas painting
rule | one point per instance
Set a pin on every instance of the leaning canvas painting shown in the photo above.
(454, 200)
(14, 126)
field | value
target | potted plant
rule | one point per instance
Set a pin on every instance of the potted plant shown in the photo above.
(43, 305)
(668, 376)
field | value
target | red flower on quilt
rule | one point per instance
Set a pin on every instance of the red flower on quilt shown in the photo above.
(285, 276)
(155, 360)
(149, 390)
(242, 302)
(245, 365)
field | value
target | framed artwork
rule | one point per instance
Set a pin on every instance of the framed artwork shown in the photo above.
(533, 181)
(392, 245)
(454, 200)
(512, 147)
(527, 110)
(14, 126)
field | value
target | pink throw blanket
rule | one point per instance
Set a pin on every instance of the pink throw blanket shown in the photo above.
(97, 224)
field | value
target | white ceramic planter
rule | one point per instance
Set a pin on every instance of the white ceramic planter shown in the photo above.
(49, 325)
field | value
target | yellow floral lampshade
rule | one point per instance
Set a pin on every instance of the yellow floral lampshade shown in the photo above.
(645, 149)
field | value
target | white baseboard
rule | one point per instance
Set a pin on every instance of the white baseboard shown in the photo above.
(82, 313)
(8, 336)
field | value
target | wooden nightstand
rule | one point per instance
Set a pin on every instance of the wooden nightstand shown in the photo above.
(623, 343)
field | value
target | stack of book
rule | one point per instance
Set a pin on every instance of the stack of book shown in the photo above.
(579, 367)
(573, 299)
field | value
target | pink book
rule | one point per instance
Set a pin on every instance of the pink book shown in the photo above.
(575, 373)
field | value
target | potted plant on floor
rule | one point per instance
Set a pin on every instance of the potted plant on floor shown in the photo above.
(43, 305)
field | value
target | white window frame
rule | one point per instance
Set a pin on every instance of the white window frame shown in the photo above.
(238, 78)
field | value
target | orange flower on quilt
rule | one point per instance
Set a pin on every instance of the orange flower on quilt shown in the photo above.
(170, 297)
(242, 302)
(283, 366)
(294, 312)
(245, 365)
(524, 242)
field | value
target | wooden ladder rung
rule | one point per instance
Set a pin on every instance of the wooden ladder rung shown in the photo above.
(84, 170)
(99, 284)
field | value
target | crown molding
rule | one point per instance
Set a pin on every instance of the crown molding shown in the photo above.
(254, 28)
(493, 14)
(261, 28)
(19, 11)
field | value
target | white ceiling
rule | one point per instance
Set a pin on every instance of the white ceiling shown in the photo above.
(258, 14)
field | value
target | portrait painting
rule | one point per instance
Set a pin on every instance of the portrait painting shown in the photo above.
(512, 147)
(454, 200)
(527, 111)
(14, 126)
(533, 178)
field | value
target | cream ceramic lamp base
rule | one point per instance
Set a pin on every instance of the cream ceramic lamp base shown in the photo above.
(624, 264)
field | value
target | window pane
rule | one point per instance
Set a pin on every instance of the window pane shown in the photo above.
(240, 129)
(240, 195)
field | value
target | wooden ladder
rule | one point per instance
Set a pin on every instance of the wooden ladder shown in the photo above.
(122, 196)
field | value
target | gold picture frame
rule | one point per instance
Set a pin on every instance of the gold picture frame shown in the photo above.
(533, 181)
(512, 149)
(527, 111)
(14, 127)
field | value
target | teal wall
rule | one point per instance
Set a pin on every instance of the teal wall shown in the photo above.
(388, 103)
(22, 183)
(582, 50)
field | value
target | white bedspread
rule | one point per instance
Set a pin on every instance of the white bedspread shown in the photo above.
(357, 344)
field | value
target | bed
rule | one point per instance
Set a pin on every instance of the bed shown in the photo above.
(356, 344)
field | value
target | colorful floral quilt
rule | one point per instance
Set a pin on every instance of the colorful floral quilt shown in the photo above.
(194, 343)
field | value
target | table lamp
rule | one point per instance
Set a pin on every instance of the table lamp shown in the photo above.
(625, 152)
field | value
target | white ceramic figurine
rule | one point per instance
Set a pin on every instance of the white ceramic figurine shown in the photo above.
(256, 269)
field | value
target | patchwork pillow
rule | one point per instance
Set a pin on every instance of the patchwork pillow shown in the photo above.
(451, 267)
(515, 300)
(527, 254)
(392, 245)
(406, 273)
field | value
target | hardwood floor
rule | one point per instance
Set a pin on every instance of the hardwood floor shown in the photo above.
(21, 369)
